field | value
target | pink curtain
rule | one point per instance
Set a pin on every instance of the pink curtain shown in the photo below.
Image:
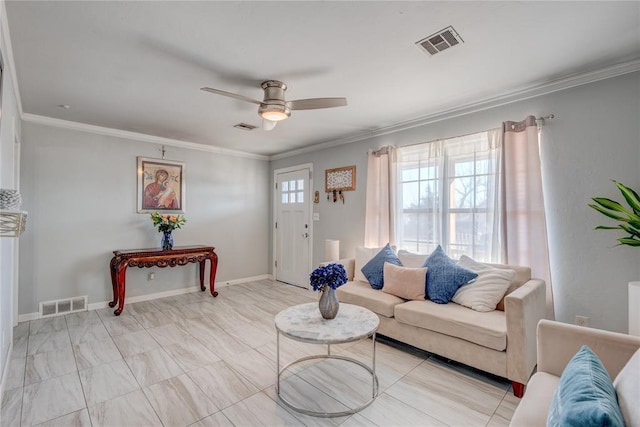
(378, 217)
(525, 222)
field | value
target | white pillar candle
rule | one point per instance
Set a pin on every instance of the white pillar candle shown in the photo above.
(634, 308)
(331, 250)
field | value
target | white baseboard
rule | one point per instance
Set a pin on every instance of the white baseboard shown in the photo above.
(165, 294)
(28, 316)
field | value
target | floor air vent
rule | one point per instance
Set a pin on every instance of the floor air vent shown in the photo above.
(442, 40)
(63, 306)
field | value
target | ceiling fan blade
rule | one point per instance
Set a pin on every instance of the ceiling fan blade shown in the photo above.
(316, 103)
(231, 95)
(268, 124)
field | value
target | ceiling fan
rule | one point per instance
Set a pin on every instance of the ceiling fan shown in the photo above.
(274, 108)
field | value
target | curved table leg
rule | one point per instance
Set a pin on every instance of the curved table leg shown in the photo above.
(121, 277)
(114, 284)
(212, 274)
(202, 287)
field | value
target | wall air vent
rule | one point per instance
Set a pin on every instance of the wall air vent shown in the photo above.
(63, 306)
(442, 40)
(245, 126)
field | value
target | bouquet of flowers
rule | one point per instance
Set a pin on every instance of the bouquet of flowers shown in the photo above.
(332, 275)
(167, 222)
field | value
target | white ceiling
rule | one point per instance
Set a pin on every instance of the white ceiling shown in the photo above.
(138, 66)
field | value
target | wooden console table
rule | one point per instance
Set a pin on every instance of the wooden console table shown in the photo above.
(140, 258)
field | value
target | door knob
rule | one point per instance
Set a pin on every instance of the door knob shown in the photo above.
(305, 235)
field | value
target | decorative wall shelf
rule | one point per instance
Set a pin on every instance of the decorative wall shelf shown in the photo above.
(12, 223)
(340, 179)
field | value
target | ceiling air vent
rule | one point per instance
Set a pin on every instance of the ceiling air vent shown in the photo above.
(244, 126)
(437, 42)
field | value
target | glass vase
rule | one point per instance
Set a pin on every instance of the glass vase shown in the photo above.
(167, 240)
(328, 304)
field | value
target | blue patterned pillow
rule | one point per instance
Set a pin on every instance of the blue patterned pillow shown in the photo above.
(373, 270)
(585, 395)
(444, 276)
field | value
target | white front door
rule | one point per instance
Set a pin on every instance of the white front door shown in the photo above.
(293, 226)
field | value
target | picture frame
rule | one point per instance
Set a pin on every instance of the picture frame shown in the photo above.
(161, 186)
(340, 179)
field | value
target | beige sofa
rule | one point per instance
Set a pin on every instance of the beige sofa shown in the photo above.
(557, 344)
(501, 342)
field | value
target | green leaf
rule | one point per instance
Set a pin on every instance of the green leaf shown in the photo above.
(630, 230)
(629, 241)
(630, 196)
(602, 227)
(610, 204)
(615, 206)
(608, 213)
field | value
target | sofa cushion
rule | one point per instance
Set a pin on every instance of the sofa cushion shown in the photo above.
(485, 329)
(404, 282)
(627, 385)
(483, 293)
(585, 395)
(444, 276)
(374, 269)
(409, 259)
(363, 256)
(533, 409)
(361, 293)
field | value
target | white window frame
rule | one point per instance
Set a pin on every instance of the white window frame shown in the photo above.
(442, 209)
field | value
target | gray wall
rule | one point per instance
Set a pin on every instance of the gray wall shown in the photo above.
(9, 127)
(80, 190)
(594, 138)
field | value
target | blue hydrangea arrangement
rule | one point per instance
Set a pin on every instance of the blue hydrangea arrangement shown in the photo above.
(333, 275)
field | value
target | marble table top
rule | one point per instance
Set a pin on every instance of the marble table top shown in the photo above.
(304, 323)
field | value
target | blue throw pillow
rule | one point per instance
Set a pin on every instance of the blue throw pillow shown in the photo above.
(373, 270)
(444, 276)
(585, 395)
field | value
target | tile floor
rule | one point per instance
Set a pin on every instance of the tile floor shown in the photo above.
(192, 360)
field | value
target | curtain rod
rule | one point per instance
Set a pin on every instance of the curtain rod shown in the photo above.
(540, 120)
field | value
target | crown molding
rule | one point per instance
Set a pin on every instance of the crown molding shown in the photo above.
(117, 133)
(535, 90)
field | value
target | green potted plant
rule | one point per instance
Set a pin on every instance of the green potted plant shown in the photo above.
(628, 218)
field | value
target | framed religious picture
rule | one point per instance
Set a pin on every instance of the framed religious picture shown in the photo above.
(161, 186)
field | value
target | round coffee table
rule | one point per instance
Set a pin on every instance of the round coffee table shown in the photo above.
(305, 324)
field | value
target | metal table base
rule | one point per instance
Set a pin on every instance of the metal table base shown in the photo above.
(371, 370)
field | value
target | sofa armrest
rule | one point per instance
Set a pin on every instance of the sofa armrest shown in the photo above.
(349, 265)
(523, 308)
(559, 342)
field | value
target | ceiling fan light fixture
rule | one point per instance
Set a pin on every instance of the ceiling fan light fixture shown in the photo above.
(274, 112)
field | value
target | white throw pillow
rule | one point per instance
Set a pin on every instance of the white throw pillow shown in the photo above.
(627, 385)
(409, 259)
(363, 256)
(486, 291)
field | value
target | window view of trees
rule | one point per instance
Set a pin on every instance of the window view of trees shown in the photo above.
(447, 201)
